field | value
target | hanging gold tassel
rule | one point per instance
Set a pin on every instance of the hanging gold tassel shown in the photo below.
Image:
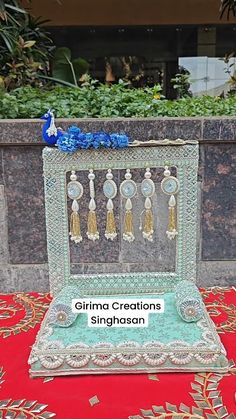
(172, 222)
(110, 191)
(148, 190)
(148, 228)
(128, 234)
(92, 232)
(128, 189)
(171, 230)
(75, 231)
(110, 232)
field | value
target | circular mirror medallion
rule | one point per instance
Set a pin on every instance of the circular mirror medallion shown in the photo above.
(128, 188)
(170, 185)
(74, 189)
(147, 188)
(109, 189)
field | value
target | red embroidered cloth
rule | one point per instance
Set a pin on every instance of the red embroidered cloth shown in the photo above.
(193, 396)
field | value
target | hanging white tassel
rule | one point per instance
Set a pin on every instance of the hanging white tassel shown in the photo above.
(92, 231)
(148, 190)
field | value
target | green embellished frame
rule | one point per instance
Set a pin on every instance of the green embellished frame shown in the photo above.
(179, 153)
(168, 344)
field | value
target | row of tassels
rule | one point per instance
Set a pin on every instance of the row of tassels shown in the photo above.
(128, 189)
(111, 232)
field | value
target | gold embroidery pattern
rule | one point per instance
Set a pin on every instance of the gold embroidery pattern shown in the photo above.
(21, 408)
(34, 308)
(1, 375)
(218, 307)
(8, 311)
(219, 291)
(24, 409)
(206, 396)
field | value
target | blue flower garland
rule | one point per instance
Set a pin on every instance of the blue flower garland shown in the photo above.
(74, 140)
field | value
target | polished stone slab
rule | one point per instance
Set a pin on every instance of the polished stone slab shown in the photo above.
(219, 129)
(22, 216)
(218, 203)
(25, 200)
(4, 253)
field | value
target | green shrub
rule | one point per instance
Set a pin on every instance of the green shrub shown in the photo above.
(100, 101)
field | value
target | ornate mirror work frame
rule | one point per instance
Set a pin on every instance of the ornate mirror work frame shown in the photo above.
(181, 154)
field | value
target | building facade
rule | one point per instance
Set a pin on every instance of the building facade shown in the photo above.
(147, 42)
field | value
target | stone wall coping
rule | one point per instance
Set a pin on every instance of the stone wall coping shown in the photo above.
(149, 118)
(206, 129)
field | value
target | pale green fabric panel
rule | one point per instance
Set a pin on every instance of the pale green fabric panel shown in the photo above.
(159, 325)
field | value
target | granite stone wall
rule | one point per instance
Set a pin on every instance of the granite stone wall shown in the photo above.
(23, 256)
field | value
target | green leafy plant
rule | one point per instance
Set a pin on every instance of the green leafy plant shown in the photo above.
(95, 100)
(229, 70)
(25, 47)
(227, 7)
(181, 82)
(66, 69)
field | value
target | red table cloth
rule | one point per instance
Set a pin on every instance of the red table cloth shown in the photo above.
(182, 396)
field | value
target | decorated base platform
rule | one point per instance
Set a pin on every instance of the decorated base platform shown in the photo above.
(167, 344)
(132, 396)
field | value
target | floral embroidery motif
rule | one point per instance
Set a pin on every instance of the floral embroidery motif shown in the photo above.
(22, 408)
(34, 308)
(1, 375)
(8, 311)
(219, 291)
(207, 399)
(218, 307)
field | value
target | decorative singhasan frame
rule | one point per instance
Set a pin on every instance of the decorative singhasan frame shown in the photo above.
(179, 153)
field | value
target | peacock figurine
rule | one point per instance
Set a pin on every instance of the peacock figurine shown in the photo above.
(50, 132)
